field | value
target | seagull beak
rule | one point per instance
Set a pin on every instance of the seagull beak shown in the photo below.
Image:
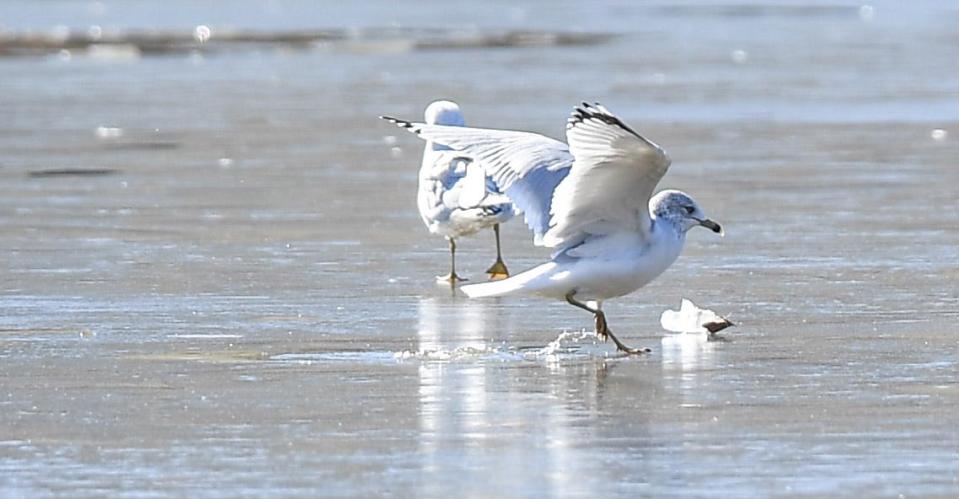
(713, 226)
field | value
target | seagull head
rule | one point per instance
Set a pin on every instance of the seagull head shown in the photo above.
(682, 210)
(444, 112)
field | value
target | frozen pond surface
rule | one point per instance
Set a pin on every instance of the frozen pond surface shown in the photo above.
(214, 280)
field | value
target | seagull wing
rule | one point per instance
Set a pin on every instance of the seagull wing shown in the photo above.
(610, 183)
(525, 166)
(473, 187)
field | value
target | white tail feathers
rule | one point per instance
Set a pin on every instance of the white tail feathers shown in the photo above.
(528, 281)
(495, 288)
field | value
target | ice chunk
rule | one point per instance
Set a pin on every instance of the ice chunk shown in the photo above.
(692, 319)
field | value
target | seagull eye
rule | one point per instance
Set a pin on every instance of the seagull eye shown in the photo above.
(690, 210)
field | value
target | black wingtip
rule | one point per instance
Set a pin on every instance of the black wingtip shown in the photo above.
(587, 111)
(581, 113)
(398, 122)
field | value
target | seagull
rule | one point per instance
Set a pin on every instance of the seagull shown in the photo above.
(455, 197)
(590, 201)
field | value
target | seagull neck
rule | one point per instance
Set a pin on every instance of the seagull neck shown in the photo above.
(667, 227)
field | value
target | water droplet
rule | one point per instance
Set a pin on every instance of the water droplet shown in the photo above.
(939, 134)
(390, 140)
(867, 12)
(225, 162)
(64, 55)
(95, 32)
(396, 152)
(739, 56)
(202, 33)
(108, 132)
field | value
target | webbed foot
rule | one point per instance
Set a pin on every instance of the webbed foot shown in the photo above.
(497, 271)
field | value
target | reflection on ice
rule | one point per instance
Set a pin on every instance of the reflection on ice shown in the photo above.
(687, 352)
(463, 323)
(686, 359)
(468, 409)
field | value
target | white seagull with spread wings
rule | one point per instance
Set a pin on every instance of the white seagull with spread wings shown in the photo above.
(591, 201)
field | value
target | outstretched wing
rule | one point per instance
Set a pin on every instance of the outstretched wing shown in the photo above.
(525, 166)
(610, 183)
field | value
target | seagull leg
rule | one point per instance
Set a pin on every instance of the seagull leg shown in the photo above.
(451, 278)
(602, 329)
(498, 270)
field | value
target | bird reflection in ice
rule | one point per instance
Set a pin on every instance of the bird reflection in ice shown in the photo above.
(476, 409)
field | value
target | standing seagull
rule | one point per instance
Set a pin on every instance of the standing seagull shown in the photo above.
(456, 198)
(590, 201)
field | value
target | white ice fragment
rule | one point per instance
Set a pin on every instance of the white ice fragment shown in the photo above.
(692, 319)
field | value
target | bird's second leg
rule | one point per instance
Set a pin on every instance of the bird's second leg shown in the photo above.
(451, 278)
(498, 270)
(602, 329)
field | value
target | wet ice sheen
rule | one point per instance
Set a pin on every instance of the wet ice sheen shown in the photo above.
(151, 349)
(567, 346)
